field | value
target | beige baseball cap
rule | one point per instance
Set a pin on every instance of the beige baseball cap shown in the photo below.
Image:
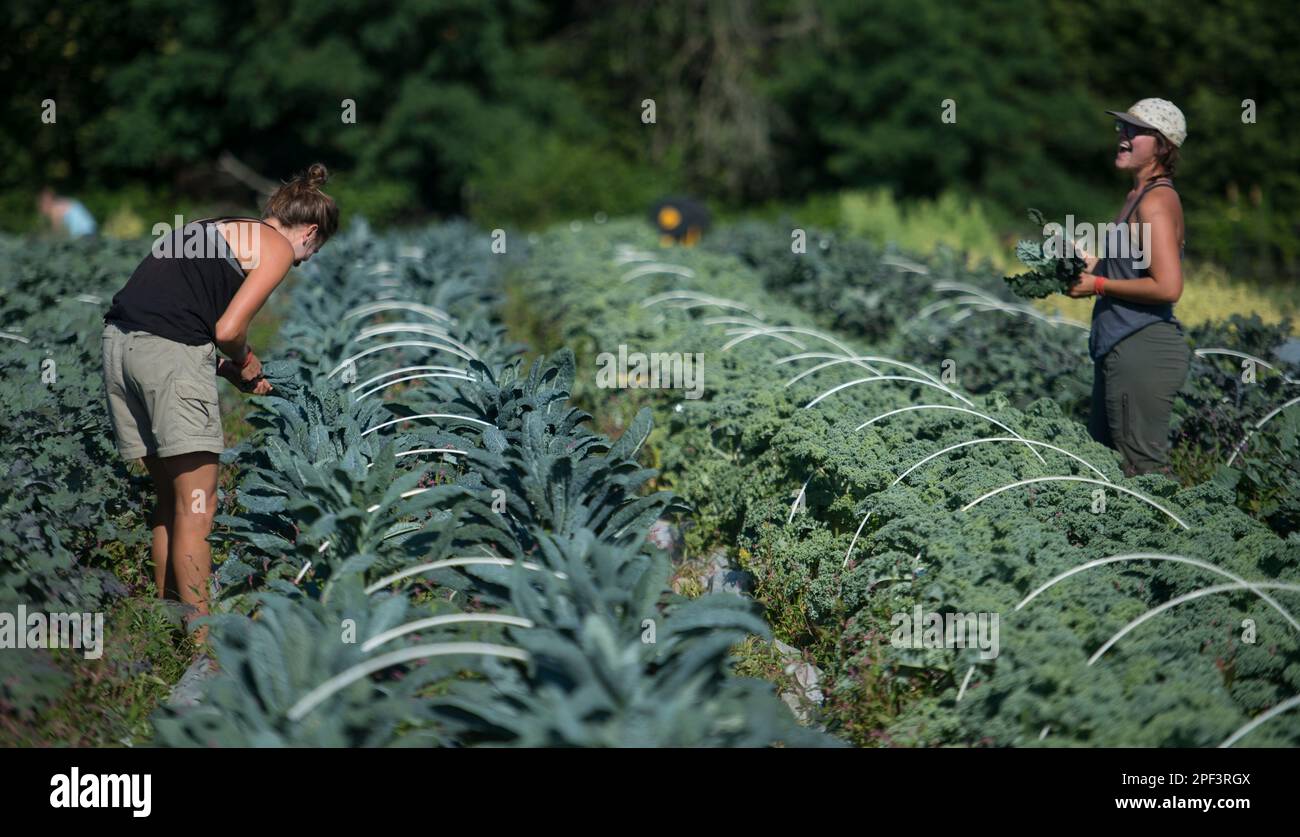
(1159, 114)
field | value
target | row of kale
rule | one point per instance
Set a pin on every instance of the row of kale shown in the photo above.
(858, 484)
(938, 310)
(430, 547)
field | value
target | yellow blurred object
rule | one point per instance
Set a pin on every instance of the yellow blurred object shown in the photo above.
(124, 223)
(669, 218)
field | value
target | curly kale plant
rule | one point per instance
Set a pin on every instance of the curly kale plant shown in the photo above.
(851, 513)
(1047, 275)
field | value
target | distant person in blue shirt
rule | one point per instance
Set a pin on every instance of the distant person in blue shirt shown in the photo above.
(66, 215)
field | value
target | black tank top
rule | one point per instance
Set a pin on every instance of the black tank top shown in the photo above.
(182, 287)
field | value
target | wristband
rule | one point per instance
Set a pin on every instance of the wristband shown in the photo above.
(1098, 285)
(248, 356)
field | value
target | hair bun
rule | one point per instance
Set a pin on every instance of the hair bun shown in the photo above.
(316, 175)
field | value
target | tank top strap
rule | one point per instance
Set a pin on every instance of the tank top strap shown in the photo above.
(231, 218)
(1154, 184)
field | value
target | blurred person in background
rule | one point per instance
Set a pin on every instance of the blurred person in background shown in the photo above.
(160, 343)
(66, 215)
(680, 220)
(1140, 353)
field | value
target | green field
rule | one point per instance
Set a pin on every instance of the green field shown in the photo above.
(515, 550)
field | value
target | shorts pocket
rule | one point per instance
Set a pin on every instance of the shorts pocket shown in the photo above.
(197, 409)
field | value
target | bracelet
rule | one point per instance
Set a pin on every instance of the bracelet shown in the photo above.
(1098, 285)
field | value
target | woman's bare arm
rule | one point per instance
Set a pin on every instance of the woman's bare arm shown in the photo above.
(273, 259)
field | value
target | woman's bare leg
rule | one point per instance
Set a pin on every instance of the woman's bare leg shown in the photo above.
(160, 521)
(194, 490)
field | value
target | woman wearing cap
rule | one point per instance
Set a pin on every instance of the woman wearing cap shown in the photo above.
(195, 293)
(1140, 354)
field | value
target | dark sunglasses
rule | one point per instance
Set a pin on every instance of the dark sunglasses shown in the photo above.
(1128, 130)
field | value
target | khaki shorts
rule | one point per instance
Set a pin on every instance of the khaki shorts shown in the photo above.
(162, 395)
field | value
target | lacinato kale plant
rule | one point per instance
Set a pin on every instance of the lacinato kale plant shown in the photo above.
(487, 551)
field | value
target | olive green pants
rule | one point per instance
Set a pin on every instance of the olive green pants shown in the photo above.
(1133, 389)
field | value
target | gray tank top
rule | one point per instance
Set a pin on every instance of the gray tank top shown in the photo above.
(1114, 319)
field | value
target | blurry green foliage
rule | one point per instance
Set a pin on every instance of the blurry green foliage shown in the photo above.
(382, 202)
(962, 225)
(526, 112)
(550, 181)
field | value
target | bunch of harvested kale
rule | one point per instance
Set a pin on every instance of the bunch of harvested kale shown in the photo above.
(1047, 274)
